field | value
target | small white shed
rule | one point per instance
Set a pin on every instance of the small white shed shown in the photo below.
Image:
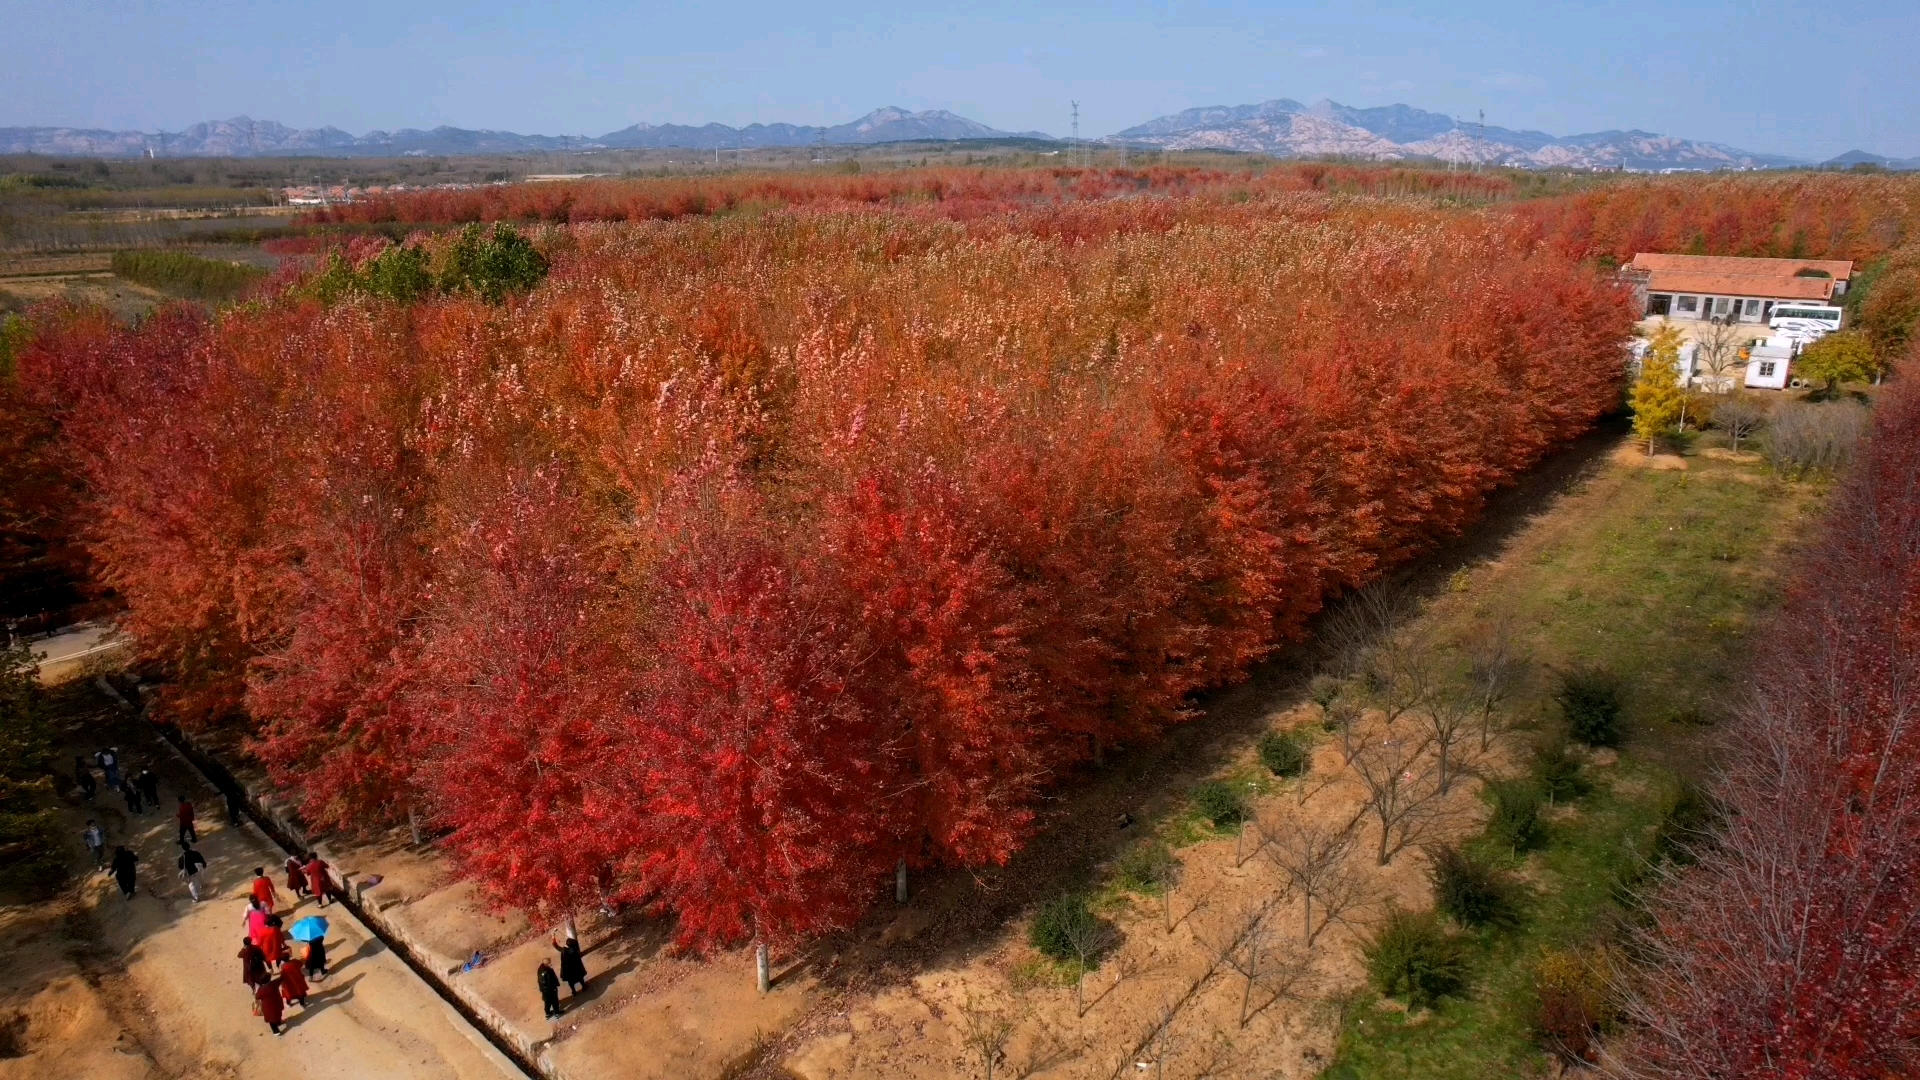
(1767, 364)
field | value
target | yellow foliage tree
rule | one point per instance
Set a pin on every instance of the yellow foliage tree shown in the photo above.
(1657, 397)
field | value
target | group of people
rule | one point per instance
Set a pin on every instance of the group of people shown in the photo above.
(273, 974)
(573, 972)
(141, 790)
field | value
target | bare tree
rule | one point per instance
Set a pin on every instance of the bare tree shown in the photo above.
(1494, 668)
(1313, 859)
(1087, 939)
(1358, 623)
(1399, 786)
(986, 1027)
(1739, 416)
(1444, 718)
(1718, 353)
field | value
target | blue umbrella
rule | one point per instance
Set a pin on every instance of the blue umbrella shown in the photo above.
(311, 928)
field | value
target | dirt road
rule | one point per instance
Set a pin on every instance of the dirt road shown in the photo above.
(97, 986)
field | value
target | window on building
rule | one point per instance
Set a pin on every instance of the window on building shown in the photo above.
(1720, 306)
(1753, 307)
(1660, 304)
(1689, 303)
(1766, 369)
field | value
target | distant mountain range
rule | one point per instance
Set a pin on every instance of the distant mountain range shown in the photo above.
(1287, 128)
(243, 137)
(1282, 127)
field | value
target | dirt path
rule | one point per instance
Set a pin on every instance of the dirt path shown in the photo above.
(97, 986)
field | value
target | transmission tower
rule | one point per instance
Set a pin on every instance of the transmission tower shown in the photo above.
(1073, 144)
(1483, 137)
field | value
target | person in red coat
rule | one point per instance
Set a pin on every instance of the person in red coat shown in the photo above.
(296, 878)
(263, 890)
(253, 964)
(316, 869)
(293, 983)
(267, 995)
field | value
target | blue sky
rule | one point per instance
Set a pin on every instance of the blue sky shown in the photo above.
(1797, 78)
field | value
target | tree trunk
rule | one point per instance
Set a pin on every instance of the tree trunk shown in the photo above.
(763, 967)
(900, 882)
(413, 825)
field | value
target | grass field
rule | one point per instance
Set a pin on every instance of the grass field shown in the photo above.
(1661, 578)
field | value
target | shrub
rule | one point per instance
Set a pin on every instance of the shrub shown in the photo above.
(1283, 754)
(1590, 700)
(492, 265)
(1413, 958)
(185, 275)
(1515, 821)
(1146, 868)
(1470, 890)
(1811, 440)
(1688, 813)
(1574, 1003)
(1557, 772)
(1067, 929)
(1220, 804)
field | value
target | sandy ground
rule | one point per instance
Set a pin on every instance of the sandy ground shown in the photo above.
(98, 986)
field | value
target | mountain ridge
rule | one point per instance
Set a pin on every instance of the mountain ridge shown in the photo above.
(243, 136)
(1286, 128)
(1280, 127)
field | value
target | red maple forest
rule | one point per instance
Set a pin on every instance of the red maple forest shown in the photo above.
(795, 528)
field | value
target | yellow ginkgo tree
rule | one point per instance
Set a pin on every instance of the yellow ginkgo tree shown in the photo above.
(1657, 395)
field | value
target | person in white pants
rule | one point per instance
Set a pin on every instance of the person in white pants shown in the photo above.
(191, 863)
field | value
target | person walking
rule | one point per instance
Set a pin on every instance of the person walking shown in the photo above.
(573, 969)
(189, 834)
(266, 998)
(316, 871)
(132, 795)
(273, 941)
(263, 889)
(317, 958)
(191, 863)
(236, 802)
(96, 842)
(256, 920)
(123, 870)
(149, 784)
(253, 964)
(293, 984)
(108, 758)
(549, 989)
(83, 776)
(296, 878)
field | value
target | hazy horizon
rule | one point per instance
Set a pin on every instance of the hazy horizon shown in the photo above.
(1769, 78)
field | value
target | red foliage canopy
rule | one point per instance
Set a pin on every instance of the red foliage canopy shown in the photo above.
(747, 557)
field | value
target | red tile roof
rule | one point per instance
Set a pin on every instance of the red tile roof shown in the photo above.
(1790, 288)
(1838, 269)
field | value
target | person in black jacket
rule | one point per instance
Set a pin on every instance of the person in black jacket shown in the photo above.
(84, 777)
(549, 989)
(191, 863)
(149, 784)
(123, 871)
(573, 969)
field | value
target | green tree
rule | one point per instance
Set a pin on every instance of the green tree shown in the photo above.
(30, 850)
(492, 266)
(1843, 357)
(399, 274)
(1657, 397)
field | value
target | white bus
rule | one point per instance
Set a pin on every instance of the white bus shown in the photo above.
(1806, 322)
